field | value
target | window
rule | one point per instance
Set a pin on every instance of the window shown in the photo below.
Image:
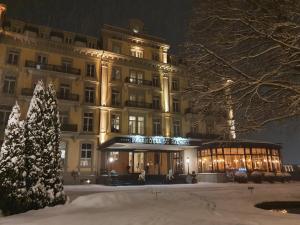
(116, 73)
(41, 59)
(155, 56)
(66, 65)
(195, 128)
(4, 115)
(9, 85)
(137, 52)
(90, 70)
(63, 118)
(155, 81)
(136, 77)
(115, 123)
(176, 128)
(13, 57)
(156, 127)
(136, 125)
(89, 94)
(115, 98)
(176, 107)
(64, 91)
(68, 40)
(175, 85)
(117, 48)
(114, 155)
(63, 149)
(88, 122)
(156, 102)
(86, 155)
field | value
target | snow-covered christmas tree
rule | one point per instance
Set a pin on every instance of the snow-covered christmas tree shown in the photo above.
(52, 170)
(12, 165)
(35, 132)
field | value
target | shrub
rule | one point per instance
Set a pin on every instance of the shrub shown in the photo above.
(280, 177)
(269, 176)
(256, 176)
(286, 177)
(241, 177)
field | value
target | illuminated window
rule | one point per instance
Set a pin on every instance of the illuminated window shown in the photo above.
(116, 73)
(137, 52)
(86, 155)
(136, 77)
(136, 125)
(63, 149)
(115, 123)
(114, 155)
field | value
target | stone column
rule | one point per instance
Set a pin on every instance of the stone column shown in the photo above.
(103, 102)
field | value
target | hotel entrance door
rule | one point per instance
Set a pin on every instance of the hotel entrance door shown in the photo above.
(136, 161)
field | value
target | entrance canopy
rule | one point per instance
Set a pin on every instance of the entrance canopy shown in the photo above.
(149, 143)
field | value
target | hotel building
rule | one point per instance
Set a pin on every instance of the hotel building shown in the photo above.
(119, 95)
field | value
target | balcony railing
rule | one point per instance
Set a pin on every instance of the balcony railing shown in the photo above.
(49, 67)
(138, 104)
(69, 127)
(202, 135)
(27, 91)
(138, 81)
(69, 97)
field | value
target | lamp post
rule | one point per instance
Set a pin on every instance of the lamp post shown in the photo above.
(188, 164)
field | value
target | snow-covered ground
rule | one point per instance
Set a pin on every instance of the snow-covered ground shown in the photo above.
(203, 203)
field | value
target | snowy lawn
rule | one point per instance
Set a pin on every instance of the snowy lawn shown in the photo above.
(203, 203)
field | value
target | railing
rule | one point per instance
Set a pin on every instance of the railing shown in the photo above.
(69, 127)
(138, 104)
(202, 135)
(56, 68)
(70, 97)
(27, 91)
(138, 81)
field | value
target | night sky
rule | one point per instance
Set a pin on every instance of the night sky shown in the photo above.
(164, 18)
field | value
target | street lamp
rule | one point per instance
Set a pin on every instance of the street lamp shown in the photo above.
(188, 164)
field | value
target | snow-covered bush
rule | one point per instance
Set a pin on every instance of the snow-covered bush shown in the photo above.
(12, 166)
(256, 176)
(35, 132)
(52, 169)
(269, 176)
(241, 177)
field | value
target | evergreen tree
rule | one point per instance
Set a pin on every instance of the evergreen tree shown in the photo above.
(52, 172)
(34, 147)
(12, 165)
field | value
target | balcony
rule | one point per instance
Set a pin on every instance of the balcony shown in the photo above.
(138, 104)
(27, 91)
(69, 127)
(54, 68)
(68, 97)
(136, 81)
(202, 135)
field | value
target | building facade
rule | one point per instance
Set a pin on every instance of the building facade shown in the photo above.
(120, 99)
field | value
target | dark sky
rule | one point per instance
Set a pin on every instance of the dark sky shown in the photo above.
(164, 18)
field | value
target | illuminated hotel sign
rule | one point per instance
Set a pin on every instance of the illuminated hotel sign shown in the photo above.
(159, 140)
